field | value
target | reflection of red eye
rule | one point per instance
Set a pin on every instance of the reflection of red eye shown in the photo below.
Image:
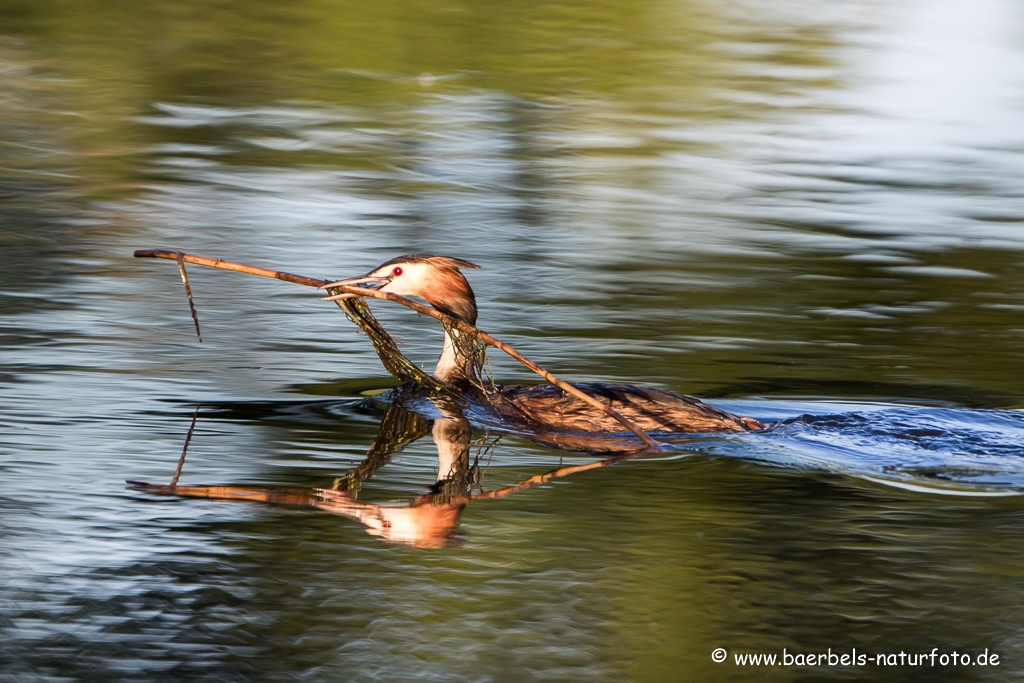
(397, 271)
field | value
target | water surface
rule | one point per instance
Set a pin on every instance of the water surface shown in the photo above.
(790, 209)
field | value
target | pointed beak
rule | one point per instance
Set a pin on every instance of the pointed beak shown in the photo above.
(365, 281)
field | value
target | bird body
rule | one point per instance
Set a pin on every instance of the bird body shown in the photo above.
(539, 408)
(653, 410)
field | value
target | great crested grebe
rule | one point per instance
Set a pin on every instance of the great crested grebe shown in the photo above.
(439, 281)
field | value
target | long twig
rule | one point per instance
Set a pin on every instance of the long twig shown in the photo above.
(416, 306)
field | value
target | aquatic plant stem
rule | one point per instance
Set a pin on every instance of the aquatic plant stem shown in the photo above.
(416, 306)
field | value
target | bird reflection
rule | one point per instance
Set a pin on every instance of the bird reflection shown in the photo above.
(427, 521)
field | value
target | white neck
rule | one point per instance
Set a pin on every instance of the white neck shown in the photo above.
(451, 366)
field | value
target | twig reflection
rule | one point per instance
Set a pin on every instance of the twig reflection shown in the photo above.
(427, 521)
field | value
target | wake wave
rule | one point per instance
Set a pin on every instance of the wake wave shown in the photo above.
(943, 450)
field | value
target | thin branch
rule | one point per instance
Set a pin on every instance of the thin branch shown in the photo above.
(184, 450)
(228, 265)
(419, 308)
(497, 343)
(188, 292)
(539, 479)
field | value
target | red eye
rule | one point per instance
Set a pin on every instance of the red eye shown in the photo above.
(397, 271)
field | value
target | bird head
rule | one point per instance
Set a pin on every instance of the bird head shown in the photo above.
(436, 279)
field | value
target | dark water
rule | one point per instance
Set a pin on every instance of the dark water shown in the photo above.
(790, 209)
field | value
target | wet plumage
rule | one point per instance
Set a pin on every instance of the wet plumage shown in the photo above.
(653, 410)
